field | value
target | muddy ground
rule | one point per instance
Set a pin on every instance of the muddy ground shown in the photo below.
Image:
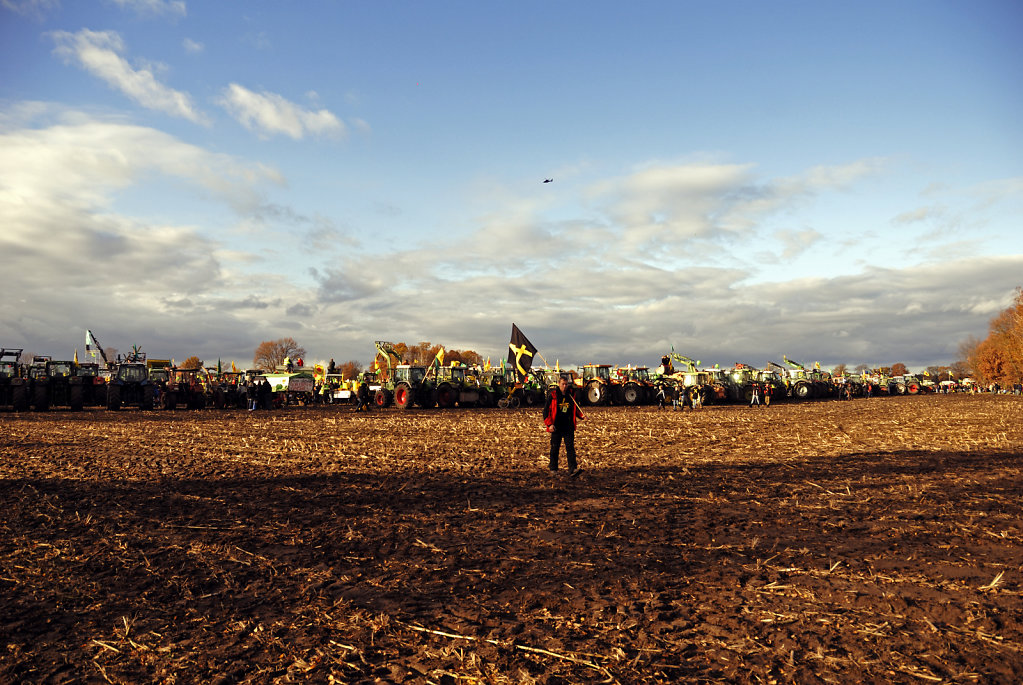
(874, 540)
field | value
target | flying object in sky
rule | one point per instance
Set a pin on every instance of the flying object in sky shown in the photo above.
(548, 180)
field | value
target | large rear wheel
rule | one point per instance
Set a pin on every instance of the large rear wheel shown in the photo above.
(77, 397)
(113, 397)
(148, 397)
(631, 394)
(596, 394)
(19, 397)
(383, 398)
(403, 396)
(446, 396)
(41, 399)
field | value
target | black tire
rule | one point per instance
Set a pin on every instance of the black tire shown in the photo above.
(531, 398)
(77, 397)
(170, 400)
(40, 398)
(514, 402)
(403, 396)
(19, 398)
(913, 388)
(486, 398)
(113, 397)
(426, 398)
(219, 398)
(801, 391)
(446, 396)
(631, 394)
(383, 398)
(148, 397)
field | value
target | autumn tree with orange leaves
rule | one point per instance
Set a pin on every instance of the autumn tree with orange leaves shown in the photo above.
(999, 357)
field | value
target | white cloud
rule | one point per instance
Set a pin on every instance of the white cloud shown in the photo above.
(154, 7)
(100, 53)
(35, 9)
(179, 288)
(270, 114)
(192, 47)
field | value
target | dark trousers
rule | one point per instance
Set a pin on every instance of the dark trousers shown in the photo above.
(556, 437)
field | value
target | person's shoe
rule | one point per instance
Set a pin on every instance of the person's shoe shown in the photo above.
(574, 473)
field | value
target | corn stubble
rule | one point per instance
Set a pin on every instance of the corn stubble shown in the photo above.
(877, 540)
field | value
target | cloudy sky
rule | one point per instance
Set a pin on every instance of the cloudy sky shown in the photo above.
(836, 182)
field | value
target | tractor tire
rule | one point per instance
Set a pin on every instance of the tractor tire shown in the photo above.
(383, 398)
(486, 398)
(802, 391)
(900, 388)
(77, 397)
(631, 394)
(913, 388)
(531, 398)
(446, 396)
(403, 396)
(514, 402)
(40, 399)
(596, 394)
(113, 397)
(426, 398)
(747, 395)
(148, 397)
(170, 401)
(219, 399)
(19, 398)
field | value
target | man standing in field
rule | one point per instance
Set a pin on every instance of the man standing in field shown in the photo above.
(560, 415)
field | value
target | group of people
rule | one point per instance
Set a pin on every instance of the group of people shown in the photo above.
(259, 394)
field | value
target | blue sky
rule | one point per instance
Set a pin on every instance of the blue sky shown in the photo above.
(833, 182)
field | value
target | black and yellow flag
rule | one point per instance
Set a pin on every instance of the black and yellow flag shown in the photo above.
(520, 353)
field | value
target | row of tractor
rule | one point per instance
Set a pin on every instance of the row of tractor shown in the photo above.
(130, 382)
(134, 381)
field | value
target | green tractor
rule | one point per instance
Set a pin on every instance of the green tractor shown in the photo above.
(55, 383)
(130, 385)
(14, 385)
(456, 386)
(405, 384)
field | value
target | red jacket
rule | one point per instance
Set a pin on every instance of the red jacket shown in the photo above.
(551, 410)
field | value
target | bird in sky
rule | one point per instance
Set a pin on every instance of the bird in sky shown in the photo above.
(548, 180)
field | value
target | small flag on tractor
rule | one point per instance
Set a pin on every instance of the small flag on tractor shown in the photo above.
(520, 353)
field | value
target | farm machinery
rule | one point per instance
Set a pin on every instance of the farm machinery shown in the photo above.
(55, 384)
(455, 385)
(405, 384)
(637, 387)
(803, 383)
(705, 386)
(598, 385)
(14, 386)
(130, 385)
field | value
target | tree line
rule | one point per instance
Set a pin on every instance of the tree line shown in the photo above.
(270, 354)
(999, 357)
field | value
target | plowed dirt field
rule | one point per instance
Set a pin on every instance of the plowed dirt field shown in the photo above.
(874, 540)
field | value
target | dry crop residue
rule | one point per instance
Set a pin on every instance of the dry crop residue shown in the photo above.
(871, 540)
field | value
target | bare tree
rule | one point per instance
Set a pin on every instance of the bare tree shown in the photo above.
(350, 369)
(192, 362)
(271, 353)
(839, 370)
